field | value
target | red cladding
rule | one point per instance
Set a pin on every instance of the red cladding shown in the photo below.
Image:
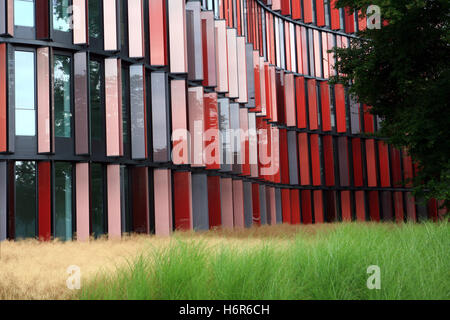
(45, 200)
(214, 201)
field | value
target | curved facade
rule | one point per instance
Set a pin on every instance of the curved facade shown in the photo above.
(149, 116)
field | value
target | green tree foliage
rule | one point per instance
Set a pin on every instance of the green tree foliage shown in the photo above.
(402, 71)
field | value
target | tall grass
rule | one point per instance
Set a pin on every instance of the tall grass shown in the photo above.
(329, 264)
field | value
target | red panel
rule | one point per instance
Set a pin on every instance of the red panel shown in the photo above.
(396, 167)
(307, 11)
(329, 162)
(383, 156)
(374, 206)
(214, 201)
(295, 206)
(371, 164)
(368, 120)
(301, 103)
(320, 13)
(398, 204)
(349, 21)
(325, 102)
(157, 34)
(315, 159)
(3, 106)
(306, 207)
(335, 20)
(340, 108)
(284, 158)
(407, 169)
(298, 37)
(255, 204)
(285, 7)
(410, 206)
(45, 200)
(345, 206)
(211, 134)
(357, 162)
(286, 205)
(182, 195)
(268, 92)
(331, 206)
(288, 44)
(432, 209)
(42, 24)
(140, 200)
(312, 105)
(304, 51)
(296, 9)
(362, 21)
(256, 70)
(360, 206)
(318, 206)
(303, 156)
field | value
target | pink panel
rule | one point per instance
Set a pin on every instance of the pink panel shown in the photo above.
(113, 107)
(238, 203)
(317, 60)
(135, 28)
(82, 200)
(79, 21)
(114, 214)
(287, 39)
(196, 125)
(298, 36)
(180, 152)
(242, 70)
(233, 89)
(226, 202)
(163, 201)
(262, 85)
(110, 25)
(177, 36)
(289, 98)
(273, 205)
(326, 66)
(245, 152)
(221, 56)
(157, 30)
(44, 111)
(209, 53)
(273, 94)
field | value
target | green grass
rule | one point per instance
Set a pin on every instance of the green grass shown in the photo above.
(330, 264)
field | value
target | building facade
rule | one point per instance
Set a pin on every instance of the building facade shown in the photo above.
(149, 116)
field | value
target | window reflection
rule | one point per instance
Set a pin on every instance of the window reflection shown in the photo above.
(24, 93)
(63, 200)
(95, 27)
(61, 14)
(24, 13)
(97, 208)
(62, 96)
(95, 95)
(25, 192)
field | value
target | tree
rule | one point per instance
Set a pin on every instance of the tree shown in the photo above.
(402, 71)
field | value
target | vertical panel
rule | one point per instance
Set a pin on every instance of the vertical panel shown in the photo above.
(43, 23)
(374, 206)
(329, 160)
(81, 104)
(208, 46)
(383, 156)
(248, 204)
(180, 154)
(303, 153)
(3, 199)
(245, 147)
(296, 9)
(318, 206)
(163, 201)
(263, 204)
(182, 200)
(200, 214)
(221, 56)
(158, 33)
(79, 22)
(251, 80)
(410, 206)
(114, 201)
(344, 173)
(256, 204)
(196, 125)
(160, 117)
(293, 160)
(194, 41)
(371, 164)
(301, 102)
(3, 99)
(307, 11)
(325, 104)
(271, 206)
(306, 206)
(113, 107)
(233, 81)
(386, 202)
(214, 201)
(317, 54)
(242, 70)
(312, 105)
(289, 99)
(340, 108)
(286, 205)
(334, 16)
(357, 162)
(226, 202)
(360, 206)
(345, 206)
(398, 204)
(110, 25)
(82, 200)
(295, 206)
(238, 204)
(138, 117)
(136, 28)
(45, 200)
(177, 36)
(45, 116)
(211, 138)
(315, 160)
(140, 199)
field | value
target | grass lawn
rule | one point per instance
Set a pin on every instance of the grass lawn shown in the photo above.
(313, 262)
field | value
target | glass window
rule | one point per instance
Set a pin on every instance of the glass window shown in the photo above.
(61, 14)
(96, 100)
(63, 200)
(95, 25)
(24, 13)
(97, 209)
(25, 192)
(125, 78)
(62, 96)
(25, 93)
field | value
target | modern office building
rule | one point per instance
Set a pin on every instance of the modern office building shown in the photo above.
(123, 116)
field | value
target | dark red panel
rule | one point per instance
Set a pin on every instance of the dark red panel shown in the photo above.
(340, 108)
(371, 164)
(43, 22)
(315, 159)
(407, 169)
(182, 200)
(303, 156)
(284, 157)
(329, 159)
(139, 176)
(345, 206)
(285, 7)
(368, 120)
(357, 163)
(432, 208)
(3, 101)
(214, 201)
(360, 206)
(325, 103)
(286, 205)
(383, 156)
(45, 200)
(312, 105)
(295, 206)
(331, 206)
(255, 204)
(318, 206)
(396, 167)
(320, 13)
(306, 207)
(374, 206)
(301, 102)
(398, 205)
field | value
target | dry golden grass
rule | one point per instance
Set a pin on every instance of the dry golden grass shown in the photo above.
(31, 269)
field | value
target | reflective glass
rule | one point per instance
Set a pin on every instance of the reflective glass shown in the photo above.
(62, 96)
(63, 200)
(61, 15)
(24, 13)
(25, 93)
(95, 26)
(96, 100)
(25, 192)
(97, 206)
